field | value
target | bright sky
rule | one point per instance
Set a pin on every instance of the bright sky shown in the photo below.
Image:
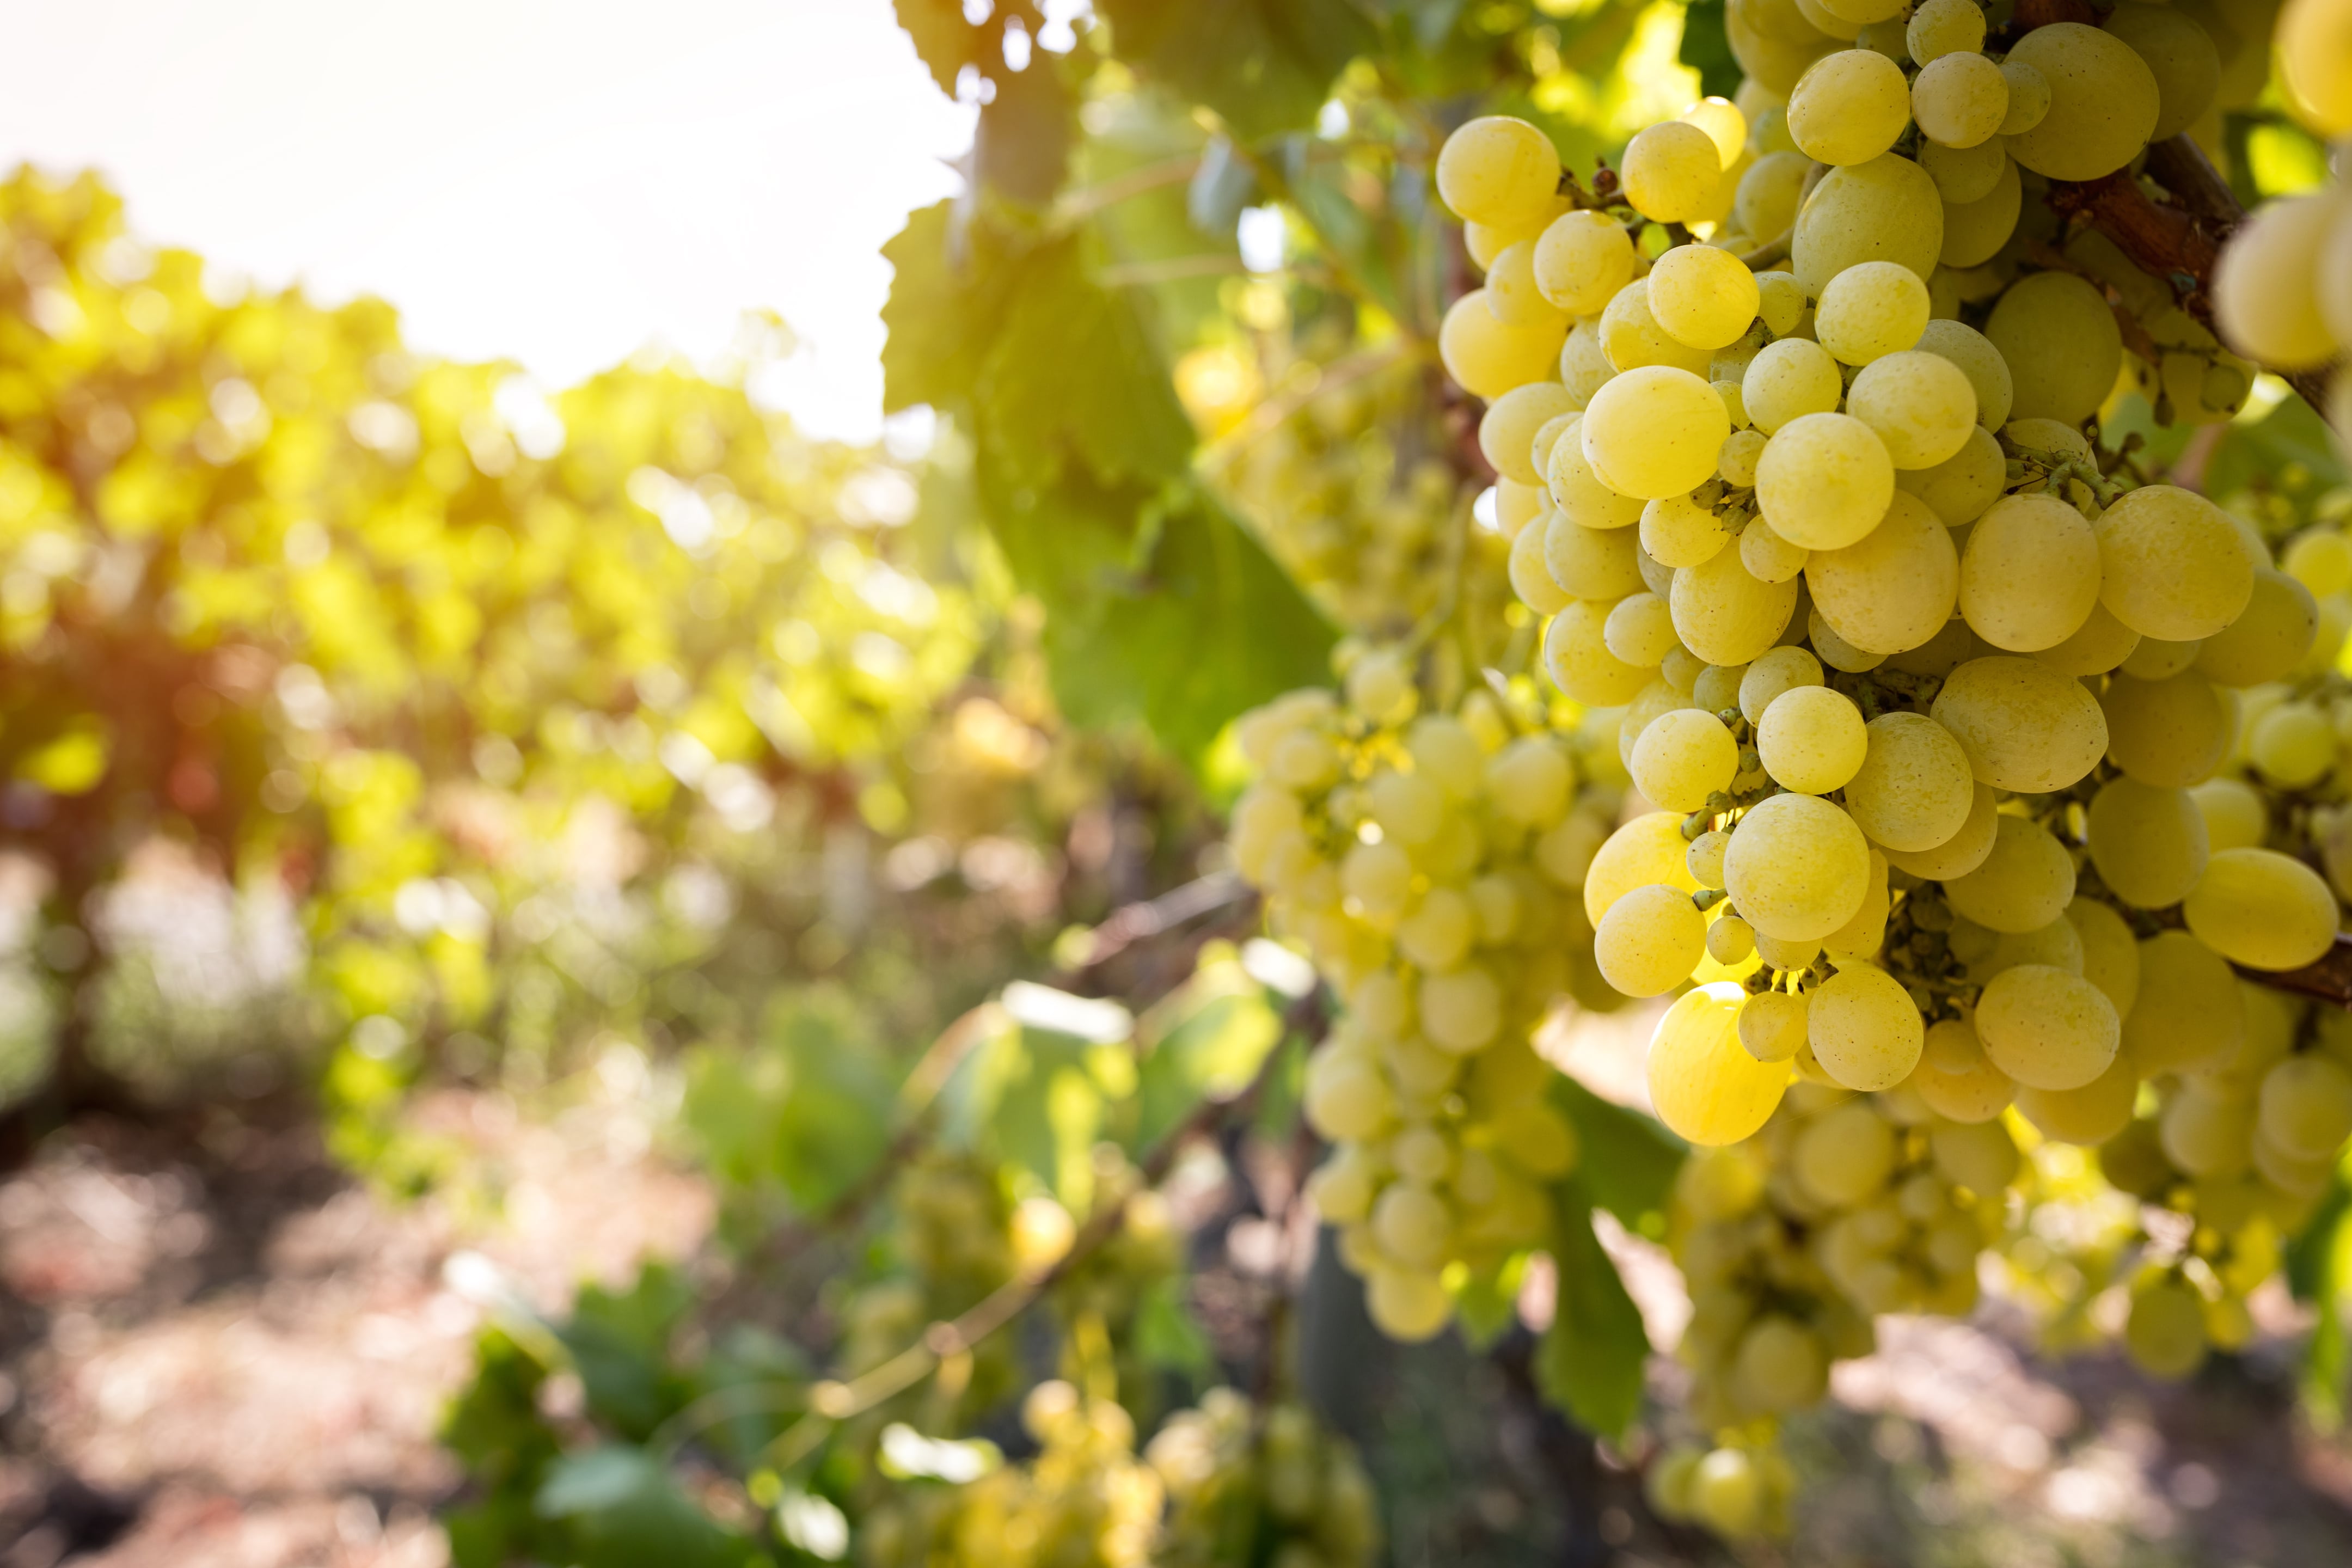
(554, 182)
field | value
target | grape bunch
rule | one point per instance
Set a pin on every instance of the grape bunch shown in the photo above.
(1250, 1487)
(1935, 697)
(2284, 291)
(1427, 860)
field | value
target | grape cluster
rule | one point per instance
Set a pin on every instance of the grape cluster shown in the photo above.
(1934, 696)
(1427, 861)
(2284, 291)
(1271, 1486)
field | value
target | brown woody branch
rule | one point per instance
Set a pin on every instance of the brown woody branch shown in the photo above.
(2329, 980)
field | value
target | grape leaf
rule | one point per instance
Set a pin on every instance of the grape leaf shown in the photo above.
(1022, 149)
(1591, 1360)
(945, 42)
(946, 298)
(1266, 66)
(626, 1509)
(2292, 435)
(1628, 1162)
(1706, 48)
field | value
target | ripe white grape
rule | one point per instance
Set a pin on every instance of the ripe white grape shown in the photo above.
(1765, 206)
(2206, 1135)
(1531, 580)
(2091, 1114)
(1960, 854)
(1965, 174)
(2293, 745)
(1511, 292)
(1583, 362)
(1655, 432)
(1797, 868)
(1959, 1083)
(1825, 480)
(1507, 433)
(2306, 1106)
(2315, 61)
(2173, 564)
(1639, 630)
(1730, 940)
(2062, 345)
(1772, 1025)
(2103, 103)
(1975, 232)
(1683, 757)
(1913, 791)
(1723, 121)
(2190, 1013)
(1980, 361)
(1705, 858)
(2099, 645)
(2023, 886)
(1865, 1030)
(1940, 27)
(2030, 575)
(1959, 99)
(1705, 1086)
(2046, 1028)
(1436, 933)
(1497, 171)
(2165, 1333)
(2024, 726)
(2270, 637)
(2266, 289)
(1768, 557)
(2236, 816)
(1461, 1009)
(1783, 302)
(2110, 951)
(1894, 588)
(2148, 843)
(1407, 1306)
(2179, 52)
(1849, 108)
(1650, 849)
(1922, 406)
(1782, 670)
(1580, 662)
(1488, 357)
(1703, 297)
(1960, 488)
(1834, 650)
(1724, 615)
(1811, 740)
(1885, 210)
(1789, 380)
(1871, 310)
(1672, 171)
(1677, 531)
(2171, 732)
(1599, 565)
(1650, 941)
(1632, 338)
(1580, 494)
(1581, 261)
(2263, 909)
(1742, 451)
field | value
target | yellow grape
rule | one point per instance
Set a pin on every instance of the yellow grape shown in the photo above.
(2100, 644)
(2062, 346)
(1650, 941)
(1599, 565)
(1963, 852)
(2103, 102)
(1632, 338)
(1487, 357)
(1580, 662)
(2149, 844)
(1655, 431)
(2030, 575)
(1849, 108)
(1975, 232)
(1507, 433)
(1578, 492)
(2306, 1106)
(2023, 886)
(2025, 727)
(2188, 1013)
(1864, 1029)
(1671, 171)
(1684, 757)
(2174, 565)
(1825, 480)
(1531, 579)
(1914, 790)
(1641, 630)
(1957, 1080)
(1650, 849)
(1960, 490)
(1885, 210)
(1959, 99)
(1703, 297)
(2165, 1333)
(1797, 868)
(2270, 637)
(1773, 1025)
(1705, 1086)
(1511, 292)
(1768, 557)
(2172, 732)
(1965, 174)
(2046, 1028)
(1894, 589)
(2315, 62)
(1724, 615)
(2263, 909)
(1782, 670)
(1677, 531)
(1922, 406)
(2236, 816)
(1582, 260)
(1871, 310)
(1498, 171)
(1811, 740)
(2089, 1115)
(2029, 98)
(1789, 380)
(2179, 52)
(1940, 27)
(1765, 206)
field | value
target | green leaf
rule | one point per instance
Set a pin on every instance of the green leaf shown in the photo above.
(1165, 1332)
(619, 1344)
(1591, 1360)
(1488, 1301)
(947, 300)
(2319, 1272)
(1628, 1162)
(2291, 435)
(1266, 66)
(1706, 48)
(1211, 1055)
(945, 42)
(626, 1510)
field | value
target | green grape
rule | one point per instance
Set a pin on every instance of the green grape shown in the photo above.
(2180, 55)
(1894, 589)
(1940, 27)
(1811, 740)
(2173, 564)
(1782, 304)
(1885, 210)
(1871, 310)
(1765, 206)
(2262, 909)
(1703, 297)
(2169, 732)
(2100, 644)
(1914, 791)
(1742, 449)
(1975, 232)
(1507, 433)
(1511, 292)
(1683, 758)
(2022, 885)
(2188, 1013)
(1773, 1025)
(1677, 531)
(1922, 406)
(1980, 361)
(1864, 1029)
(1579, 492)
(2062, 344)
(2091, 1114)
(1797, 868)
(1407, 1306)
(2046, 1028)
(1497, 171)
(1727, 615)
(2148, 843)
(1582, 260)
(2312, 63)
(1849, 108)
(1487, 356)
(1727, 1493)
(1346, 1096)
(1580, 664)
(2165, 1333)
(1959, 99)
(1789, 379)
(1824, 481)
(1672, 172)
(2029, 98)
(1963, 852)
(2207, 1137)
(2269, 638)
(1768, 557)
(2110, 952)
(1781, 1365)
(1531, 575)
(1965, 174)
(2293, 745)
(2024, 727)
(1706, 1087)
(1780, 671)
(2305, 1106)
(2031, 576)
(2103, 102)
(1959, 1083)
(1412, 1226)
(1655, 431)
(2235, 815)
(1461, 1010)
(1960, 488)
(1649, 848)
(1650, 941)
